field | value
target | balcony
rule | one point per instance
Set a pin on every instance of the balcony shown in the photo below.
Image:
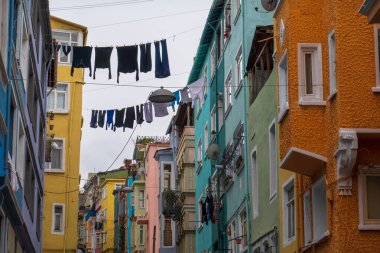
(185, 151)
(172, 204)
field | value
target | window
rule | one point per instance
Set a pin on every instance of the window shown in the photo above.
(369, 191)
(32, 99)
(310, 74)
(213, 124)
(118, 186)
(273, 161)
(132, 199)
(104, 192)
(57, 156)
(168, 233)
(243, 229)
(39, 217)
(200, 202)
(239, 69)
(199, 151)
(227, 92)
(332, 63)
(377, 57)
(220, 112)
(206, 81)
(255, 184)
(231, 231)
(105, 214)
(237, 7)
(288, 211)
(239, 150)
(227, 21)
(66, 38)
(283, 86)
(167, 176)
(4, 26)
(205, 136)
(58, 219)
(141, 199)
(212, 59)
(141, 235)
(220, 42)
(29, 184)
(307, 218)
(58, 99)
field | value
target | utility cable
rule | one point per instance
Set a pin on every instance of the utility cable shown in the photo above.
(88, 6)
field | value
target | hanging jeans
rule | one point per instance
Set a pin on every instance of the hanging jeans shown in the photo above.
(110, 114)
(162, 65)
(94, 119)
(101, 118)
(145, 58)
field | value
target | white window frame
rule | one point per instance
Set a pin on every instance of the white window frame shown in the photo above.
(199, 151)
(53, 92)
(71, 42)
(205, 137)
(273, 175)
(228, 93)
(377, 58)
(141, 228)
(171, 182)
(285, 187)
(317, 74)
(237, 9)
(239, 72)
(364, 223)
(213, 123)
(231, 240)
(104, 192)
(332, 64)
(141, 199)
(199, 214)
(63, 158)
(243, 248)
(212, 63)
(255, 183)
(220, 112)
(53, 219)
(317, 213)
(307, 217)
(283, 84)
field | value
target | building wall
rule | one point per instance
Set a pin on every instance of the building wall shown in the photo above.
(316, 128)
(67, 126)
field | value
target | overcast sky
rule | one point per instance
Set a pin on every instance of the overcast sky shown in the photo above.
(99, 147)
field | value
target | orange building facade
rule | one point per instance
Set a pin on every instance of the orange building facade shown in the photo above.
(328, 69)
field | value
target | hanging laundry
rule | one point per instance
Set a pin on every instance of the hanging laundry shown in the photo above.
(94, 119)
(101, 118)
(66, 49)
(127, 61)
(145, 58)
(139, 114)
(162, 65)
(110, 114)
(130, 117)
(81, 58)
(176, 95)
(57, 47)
(204, 212)
(148, 111)
(103, 59)
(160, 110)
(196, 90)
(119, 118)
(185, 95)
(210, 207)
(169, 104)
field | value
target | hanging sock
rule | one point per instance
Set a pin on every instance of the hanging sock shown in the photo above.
(119, 118)
(130, 117)
(185, 95)
(103, 59)
(176, 95)
(160, 110)
(66, 49)
(57, 47)
(94, 119)
(139, 114)
(162, 65)
(110, 114)
(196, 90)
(148, 111)
(101, 118)
(145, 58)
(81, 58)
(127, 61)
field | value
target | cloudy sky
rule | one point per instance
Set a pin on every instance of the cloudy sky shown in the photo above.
(127, 23)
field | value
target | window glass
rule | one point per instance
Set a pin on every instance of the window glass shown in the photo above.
(373, 193)
(58, 218)
(308, 73)
(57, 155)
(319, 209)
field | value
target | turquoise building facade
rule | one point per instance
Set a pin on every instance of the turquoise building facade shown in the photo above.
(222, 57)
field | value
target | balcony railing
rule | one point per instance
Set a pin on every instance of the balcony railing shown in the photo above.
(172, 204)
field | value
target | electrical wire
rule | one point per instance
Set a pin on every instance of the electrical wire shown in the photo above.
(90, 6)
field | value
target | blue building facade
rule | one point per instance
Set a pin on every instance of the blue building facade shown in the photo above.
(26, 55)
(222, 119)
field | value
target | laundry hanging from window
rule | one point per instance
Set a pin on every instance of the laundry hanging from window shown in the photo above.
(66, 49)
(103, 59)
(196, 90)
(127, 61)
(81, 58)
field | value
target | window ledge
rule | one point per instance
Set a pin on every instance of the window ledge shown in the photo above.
(283, 112)
(59, 111)
(289, 241)
(376, 89)
(332, 95)
(199, 168)
(325, 236)
(310, 102)
(54, 171)
(272, 197)
(369, 227)
(238, 89)
(227, 111)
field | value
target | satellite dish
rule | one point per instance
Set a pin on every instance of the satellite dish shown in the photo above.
(213, 151)
(269, 5)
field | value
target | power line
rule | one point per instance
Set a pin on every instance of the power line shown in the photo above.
(89, 6)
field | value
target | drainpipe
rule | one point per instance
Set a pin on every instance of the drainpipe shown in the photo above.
(154, 239)
(247, 199)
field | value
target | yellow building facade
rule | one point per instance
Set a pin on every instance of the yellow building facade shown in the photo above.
(64, 123)
(107, 203)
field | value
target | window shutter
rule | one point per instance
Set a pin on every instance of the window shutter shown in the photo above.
(48, 151)
(54, 67)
